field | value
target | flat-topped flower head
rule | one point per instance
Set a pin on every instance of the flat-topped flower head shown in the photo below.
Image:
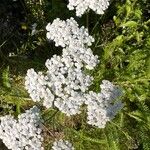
(62, 85)
(65, 83)
(83, 57)
(24, 133)
(101, 107)
(81, 6)
(67, 33)
(36, 85)
(74, 40)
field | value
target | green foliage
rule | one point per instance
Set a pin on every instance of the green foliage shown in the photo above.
(125, 60)
(5, 78)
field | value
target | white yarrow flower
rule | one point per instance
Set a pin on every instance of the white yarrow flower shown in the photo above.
(81, 6)
(67, 33)
(24, 133)
(62, 85)
(35, 83)
(75, 42)
(101, 107)
(65, 83)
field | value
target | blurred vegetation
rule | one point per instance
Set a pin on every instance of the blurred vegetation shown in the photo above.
(122, 42)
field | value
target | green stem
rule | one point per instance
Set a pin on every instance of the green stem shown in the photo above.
(96, 24)
(87, 20)
(18, 111)
(85, 138)
(49, 118)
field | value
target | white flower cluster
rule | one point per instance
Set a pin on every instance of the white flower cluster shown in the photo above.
(36, 85)
(81, 6)
(74, 40)
(83, 57)
(62, 145)
(101, 106)
(67, 33)
(64, 84)
(69, 76)
(24, 134)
